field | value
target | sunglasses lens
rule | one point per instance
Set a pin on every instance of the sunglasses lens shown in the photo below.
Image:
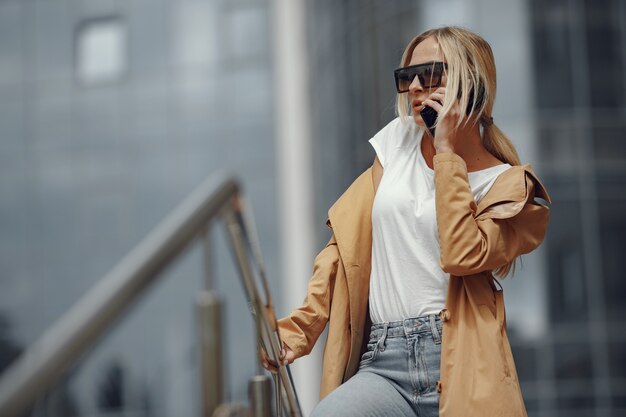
(404, 78)
(430, 76)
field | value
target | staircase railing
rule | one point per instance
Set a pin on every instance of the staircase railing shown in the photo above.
(82, 327)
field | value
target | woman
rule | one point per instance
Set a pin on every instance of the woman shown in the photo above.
(416, 318)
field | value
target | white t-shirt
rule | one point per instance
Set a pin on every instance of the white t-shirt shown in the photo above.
(406, 279)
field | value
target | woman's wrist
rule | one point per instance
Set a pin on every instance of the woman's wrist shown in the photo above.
(444, 149)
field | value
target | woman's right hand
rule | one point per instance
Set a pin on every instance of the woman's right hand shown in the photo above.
(286, 358)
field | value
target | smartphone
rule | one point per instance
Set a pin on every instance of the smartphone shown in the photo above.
(429, 115)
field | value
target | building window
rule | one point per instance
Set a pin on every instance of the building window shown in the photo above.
(101, 51)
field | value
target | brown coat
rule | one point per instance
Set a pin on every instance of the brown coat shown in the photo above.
(478, 376)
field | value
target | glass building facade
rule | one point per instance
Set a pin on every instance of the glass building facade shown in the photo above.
(579, 50)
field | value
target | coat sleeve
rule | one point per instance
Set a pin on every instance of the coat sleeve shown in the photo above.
(469, 245)
(303, 326)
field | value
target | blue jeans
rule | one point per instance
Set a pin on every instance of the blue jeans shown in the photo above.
(397, 374)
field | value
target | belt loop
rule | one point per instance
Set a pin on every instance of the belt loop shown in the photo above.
(381, 341)
(433, 327)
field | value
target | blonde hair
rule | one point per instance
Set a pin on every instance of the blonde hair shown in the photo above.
(471, 68)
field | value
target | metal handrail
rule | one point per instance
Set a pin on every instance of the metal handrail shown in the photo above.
(62, 345)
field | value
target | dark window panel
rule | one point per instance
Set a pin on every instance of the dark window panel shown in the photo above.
(525, 361)
(576, 404)
(532, 405)
(609, 132)
(566, 284)
(557, 141)
(619, 401)
(612, 232)
(552, 56)
(572, 361)
(605, 68)
(617, 359)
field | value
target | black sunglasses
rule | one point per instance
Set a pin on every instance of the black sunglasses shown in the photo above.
(429, 74)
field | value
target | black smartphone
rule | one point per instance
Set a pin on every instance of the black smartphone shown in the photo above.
(429, 116)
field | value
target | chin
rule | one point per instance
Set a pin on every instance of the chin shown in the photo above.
(418, 121)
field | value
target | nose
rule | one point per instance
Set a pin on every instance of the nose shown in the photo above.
(415, 85)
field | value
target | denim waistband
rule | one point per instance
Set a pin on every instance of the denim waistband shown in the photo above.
(430, 323)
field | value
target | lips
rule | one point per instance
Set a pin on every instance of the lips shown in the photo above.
(416, 103)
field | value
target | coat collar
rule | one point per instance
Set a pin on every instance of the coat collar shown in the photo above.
(509, 193)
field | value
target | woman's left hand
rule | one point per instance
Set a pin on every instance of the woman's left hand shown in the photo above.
(446, 136)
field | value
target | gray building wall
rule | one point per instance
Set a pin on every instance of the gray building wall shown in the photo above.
(88, 169)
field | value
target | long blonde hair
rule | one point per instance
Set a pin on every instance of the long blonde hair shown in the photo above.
(471, 68)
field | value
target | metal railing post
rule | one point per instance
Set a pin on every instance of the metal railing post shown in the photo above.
(209, 311)
(260, 396)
